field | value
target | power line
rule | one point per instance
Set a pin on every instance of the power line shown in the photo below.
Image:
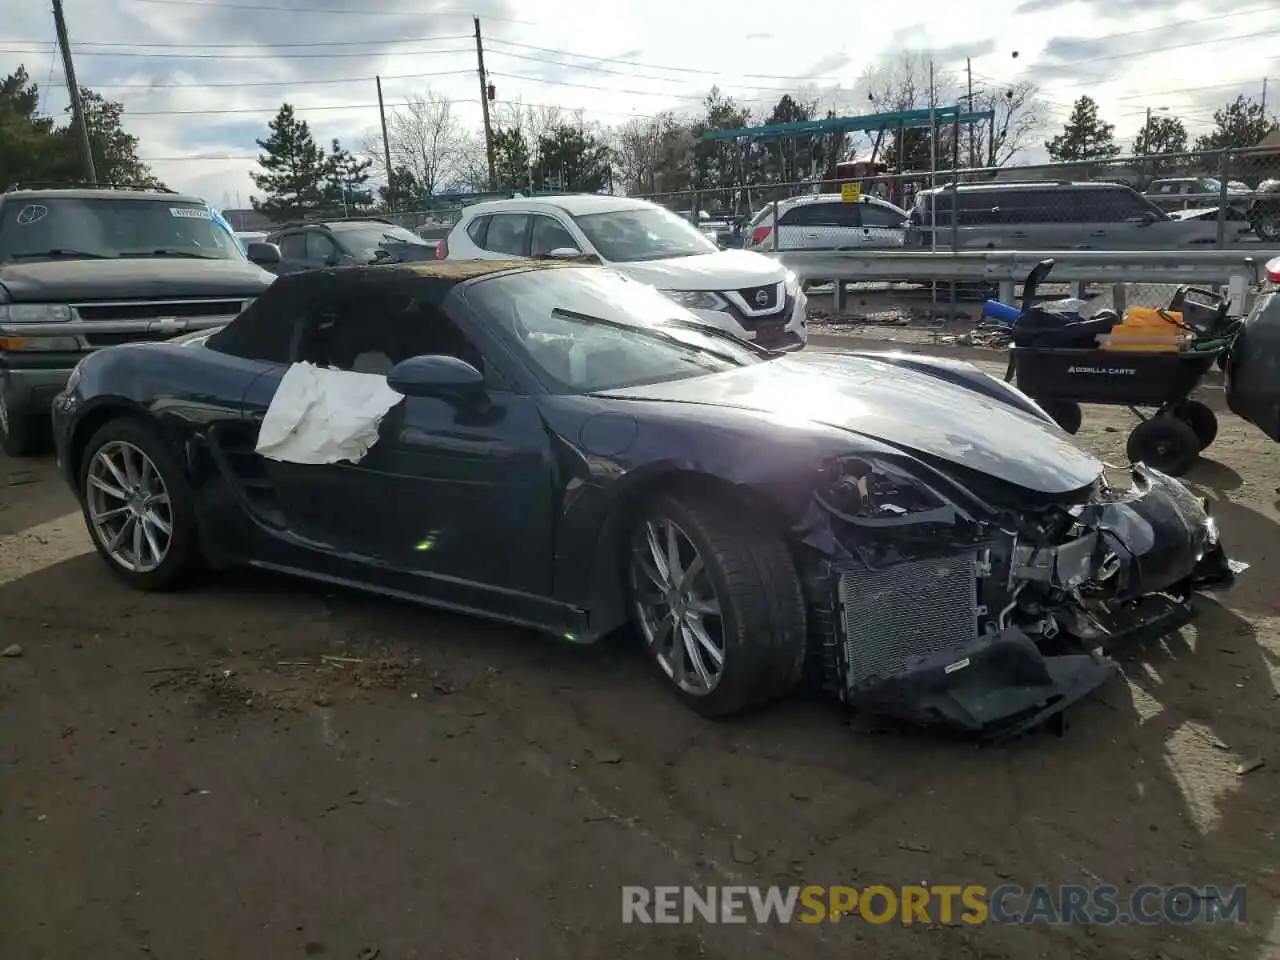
(259, 55)
(270, 46)
(1211, 86)
(360, 106)
(278, 83)
(641, 76)
(340, 10)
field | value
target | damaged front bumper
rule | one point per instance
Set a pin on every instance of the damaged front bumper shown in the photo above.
(991, 623)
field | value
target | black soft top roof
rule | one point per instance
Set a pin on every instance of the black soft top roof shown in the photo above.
(266, 328)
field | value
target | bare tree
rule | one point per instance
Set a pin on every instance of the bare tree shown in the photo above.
(655, 154)
(424, 138)
(1020, 119)
(908, 83)
(471, 163)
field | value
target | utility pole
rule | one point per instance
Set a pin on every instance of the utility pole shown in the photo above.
(77, 103)
(968, 69)
(1264, 98)
(484, 107)
(386, 151)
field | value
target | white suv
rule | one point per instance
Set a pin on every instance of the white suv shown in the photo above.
(751, 296)
(825, 222)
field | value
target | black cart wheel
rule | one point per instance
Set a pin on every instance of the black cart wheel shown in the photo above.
(1066, 413)
(1200, 418)
(1165, 443)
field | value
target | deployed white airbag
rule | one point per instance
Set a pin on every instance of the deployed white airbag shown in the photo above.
(324, 416)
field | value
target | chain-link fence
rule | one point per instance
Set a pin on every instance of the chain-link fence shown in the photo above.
(1214, 199)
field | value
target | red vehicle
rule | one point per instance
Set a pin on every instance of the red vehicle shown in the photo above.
(867, 173)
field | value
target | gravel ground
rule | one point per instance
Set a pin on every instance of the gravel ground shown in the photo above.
(260, 768)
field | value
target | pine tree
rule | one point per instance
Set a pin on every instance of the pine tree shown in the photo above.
(1241, 123)
(1085, 135)
(346, 179)
(294, 169)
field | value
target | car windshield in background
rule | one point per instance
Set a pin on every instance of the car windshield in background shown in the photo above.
(365, 239)
(585, 330)
(643, 233)
(109, 228)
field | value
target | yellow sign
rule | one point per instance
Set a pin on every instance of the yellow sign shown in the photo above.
(850, 192)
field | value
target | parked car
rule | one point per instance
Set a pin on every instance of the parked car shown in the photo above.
(315, 244)
(555, 445)
(1044, 215)
(1264, 211)
(744, 293)
(825, 222)
(1251, 384)
(1200, 197)
(718, 229)
(86, 268)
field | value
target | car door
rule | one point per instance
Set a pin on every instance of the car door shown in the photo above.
(321, 250)
(547, 233)
(293, 251)
(453, 493)
(883, 227)
(506, 236)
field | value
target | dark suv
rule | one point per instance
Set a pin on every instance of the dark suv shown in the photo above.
(88, 268)
(1049, 215)
(314, 244)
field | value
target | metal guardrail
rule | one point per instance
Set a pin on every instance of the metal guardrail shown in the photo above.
(1237, 269)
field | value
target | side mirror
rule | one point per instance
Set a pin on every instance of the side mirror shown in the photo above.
(263, 254)
(436, 375)
(565, 253)
(382, 254)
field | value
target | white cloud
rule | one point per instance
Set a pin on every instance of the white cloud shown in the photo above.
(661, 54)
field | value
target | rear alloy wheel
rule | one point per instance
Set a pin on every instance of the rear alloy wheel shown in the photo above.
(718, 603)
(1200, 418)
(1165, 443)
(137, 506)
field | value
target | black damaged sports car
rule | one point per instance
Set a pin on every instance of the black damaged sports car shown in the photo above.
(570, 450)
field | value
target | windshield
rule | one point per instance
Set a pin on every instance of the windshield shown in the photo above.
(112, 227)
(365, 239)
(586, 329)
(643, 233)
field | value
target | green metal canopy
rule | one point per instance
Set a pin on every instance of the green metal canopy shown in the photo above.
(896, 120)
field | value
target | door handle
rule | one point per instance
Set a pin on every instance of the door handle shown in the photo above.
(1098, 233)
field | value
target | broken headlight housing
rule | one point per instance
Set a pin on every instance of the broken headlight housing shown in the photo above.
(872, 491)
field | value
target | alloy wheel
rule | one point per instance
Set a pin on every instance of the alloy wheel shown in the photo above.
(129, 507)
(677, 606)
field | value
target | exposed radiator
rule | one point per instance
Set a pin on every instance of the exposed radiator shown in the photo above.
(891, 617)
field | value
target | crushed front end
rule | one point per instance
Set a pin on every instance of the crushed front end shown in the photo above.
(947, 598)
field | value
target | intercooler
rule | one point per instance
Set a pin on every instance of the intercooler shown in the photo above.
(893, 616)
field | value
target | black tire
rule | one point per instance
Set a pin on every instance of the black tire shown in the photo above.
(763, 625)
(183, 556)
(1165, 443)
(1066, 413)
(21, 434)
(1200, 418)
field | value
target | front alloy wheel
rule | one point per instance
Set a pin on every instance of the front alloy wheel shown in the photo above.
(138, 506)
(677, 607)
(128, 506)
(715, 595)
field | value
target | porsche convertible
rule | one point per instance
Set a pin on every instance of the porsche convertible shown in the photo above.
(556, 446)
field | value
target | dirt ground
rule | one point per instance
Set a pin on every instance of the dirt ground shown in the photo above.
(187, 776)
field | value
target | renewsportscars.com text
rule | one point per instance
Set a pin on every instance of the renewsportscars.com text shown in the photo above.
(1147, 904)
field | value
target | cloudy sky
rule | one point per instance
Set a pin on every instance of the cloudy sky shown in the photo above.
(200, 78)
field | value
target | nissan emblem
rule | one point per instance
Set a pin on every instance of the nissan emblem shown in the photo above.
(762, 297)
